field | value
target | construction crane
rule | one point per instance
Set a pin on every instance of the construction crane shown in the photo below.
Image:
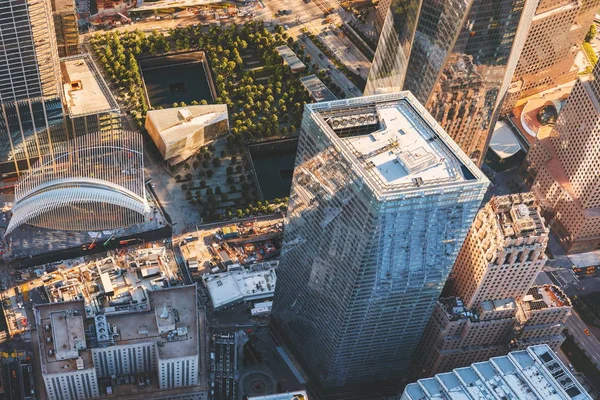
(108, 240)
(92, 245)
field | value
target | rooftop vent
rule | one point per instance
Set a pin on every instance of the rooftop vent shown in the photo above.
(184, 114)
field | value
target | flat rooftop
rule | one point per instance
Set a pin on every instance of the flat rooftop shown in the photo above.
(63, 6)
(547, 296)
(232, 287)
(533, 374)
(143, 326)
(290, 58)
(298, 395)
(499, 305)
(394, 142)
(317, 89)
(84, 88)
(48, 314)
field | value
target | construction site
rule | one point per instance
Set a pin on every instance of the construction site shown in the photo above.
(112, 14)
(243, 244)
(116, 282)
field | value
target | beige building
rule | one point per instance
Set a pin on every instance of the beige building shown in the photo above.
(159, 348)
(566, 169)
(65, 26)
(494, 306)
(541, 317)
(547, 60)
(180, 132)
(503, 251)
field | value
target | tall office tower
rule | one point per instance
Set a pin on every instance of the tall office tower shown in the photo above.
(457, 57)
(503, 251)
(557, 31)
(566, 169)
(66, 27)
(536, 373)
(31, 115)
(495, 308)
(381, 201)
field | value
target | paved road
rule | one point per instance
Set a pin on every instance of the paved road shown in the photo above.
(344, 50)
(589, 344)
(325, 63)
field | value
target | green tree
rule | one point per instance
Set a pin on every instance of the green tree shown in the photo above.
(216, 162)
(591, 34)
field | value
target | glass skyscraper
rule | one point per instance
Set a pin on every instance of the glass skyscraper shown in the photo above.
(381, 201)
(31, 113)
(456, 56)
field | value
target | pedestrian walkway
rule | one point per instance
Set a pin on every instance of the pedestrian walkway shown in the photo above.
(291, 365)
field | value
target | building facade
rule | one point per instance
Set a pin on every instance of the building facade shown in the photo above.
(494, 307)
(159, 347)
(66, 27)
(457, 57)
(536, 373)
(31, 115)
(553, 42)
(381, 201)
(503, 251)
(541, 317)
(565, 168)
(178, 133)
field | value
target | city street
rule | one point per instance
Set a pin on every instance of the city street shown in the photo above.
(325, 63)
(588, 343)
(344, 49)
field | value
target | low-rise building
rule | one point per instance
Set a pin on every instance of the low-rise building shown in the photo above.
(290, 58)
(89, 103)
(179, 132)
(532, 374)
(316, 88)
(229, 288)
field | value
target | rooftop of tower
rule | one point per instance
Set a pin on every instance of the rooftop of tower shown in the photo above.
(518, 215)
(85, 90)
(547, 296)
(394, 141)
